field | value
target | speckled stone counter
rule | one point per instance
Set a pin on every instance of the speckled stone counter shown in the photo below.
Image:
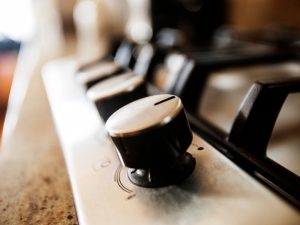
(34, 186)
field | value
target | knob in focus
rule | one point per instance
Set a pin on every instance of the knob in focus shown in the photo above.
(96, 72)
(152, 136)
(115, 92)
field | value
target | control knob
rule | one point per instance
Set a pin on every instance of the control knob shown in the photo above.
(96, 72)
(115, 92)
(152, 136)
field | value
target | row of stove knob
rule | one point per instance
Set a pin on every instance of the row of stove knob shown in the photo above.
(151, 133)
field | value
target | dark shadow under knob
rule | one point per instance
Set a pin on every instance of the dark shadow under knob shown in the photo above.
(152, 136)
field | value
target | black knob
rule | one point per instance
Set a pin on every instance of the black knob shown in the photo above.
(152, 135)
(115, 92)
(90, 75)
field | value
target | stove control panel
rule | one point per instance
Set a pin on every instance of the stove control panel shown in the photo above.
(170, 187)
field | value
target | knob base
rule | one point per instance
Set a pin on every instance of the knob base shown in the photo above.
(164, 175)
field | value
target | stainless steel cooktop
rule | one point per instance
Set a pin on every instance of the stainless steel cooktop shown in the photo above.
(217, 192)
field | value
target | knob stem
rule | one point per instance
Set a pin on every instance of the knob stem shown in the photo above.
(171, 174)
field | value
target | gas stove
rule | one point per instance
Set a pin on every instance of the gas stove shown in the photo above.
(186, 127)
(237, 179)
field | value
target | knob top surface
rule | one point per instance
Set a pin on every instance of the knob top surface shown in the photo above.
(96, 71)
(114, 86)
(143, 114)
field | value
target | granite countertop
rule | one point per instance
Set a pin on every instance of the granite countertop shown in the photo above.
(34, 185)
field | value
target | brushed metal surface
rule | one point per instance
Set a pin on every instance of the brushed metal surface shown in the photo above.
(218, 192)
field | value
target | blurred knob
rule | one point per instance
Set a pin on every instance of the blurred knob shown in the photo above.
(152, 135)
(115, 92)
(95, 72)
